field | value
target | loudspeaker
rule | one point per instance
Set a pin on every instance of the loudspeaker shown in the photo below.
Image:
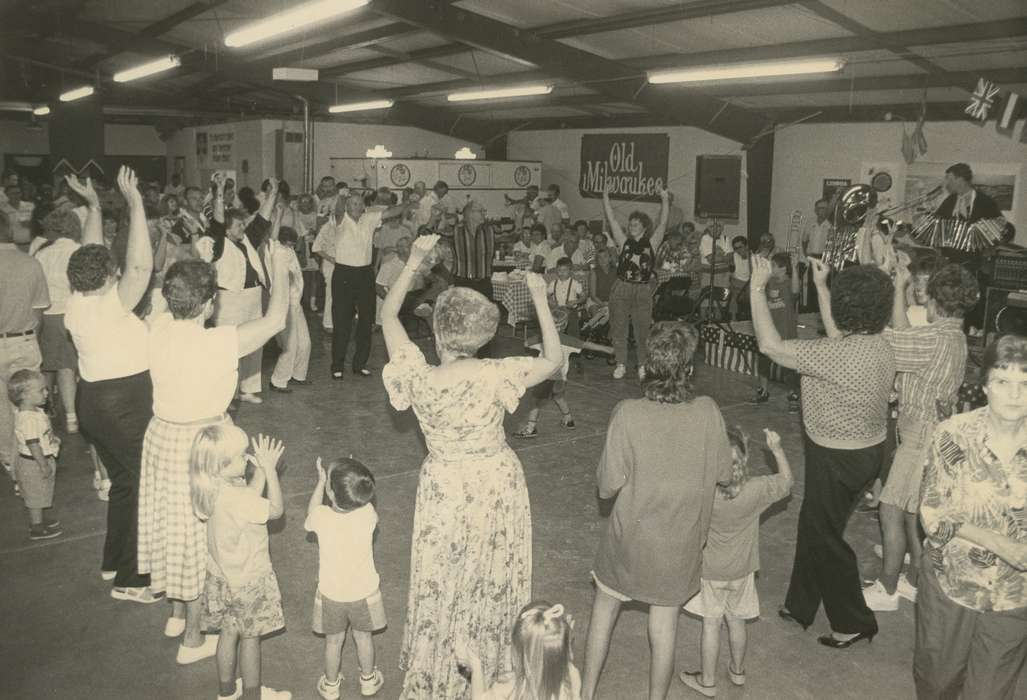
(1005, 311)
(718, 181)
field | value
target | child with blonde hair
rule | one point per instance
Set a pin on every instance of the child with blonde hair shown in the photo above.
(36, 467)
(541, 658)
(348, 595)
(240, 596)
(731, 558)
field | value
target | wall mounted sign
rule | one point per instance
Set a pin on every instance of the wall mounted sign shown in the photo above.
(633, 166)
(832, 185)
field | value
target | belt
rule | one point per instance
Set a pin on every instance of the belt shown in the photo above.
(201, 421)
(17, 335)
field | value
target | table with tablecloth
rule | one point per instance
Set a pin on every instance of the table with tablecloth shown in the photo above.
(512, 292)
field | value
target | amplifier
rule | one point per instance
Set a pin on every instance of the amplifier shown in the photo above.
(1005, 311)
(1010, 270)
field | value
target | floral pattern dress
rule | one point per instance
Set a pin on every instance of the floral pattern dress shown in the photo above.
(470, 565)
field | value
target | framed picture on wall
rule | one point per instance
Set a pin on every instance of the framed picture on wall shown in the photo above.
(833, 185)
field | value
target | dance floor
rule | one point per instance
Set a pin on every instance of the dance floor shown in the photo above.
(65, 637)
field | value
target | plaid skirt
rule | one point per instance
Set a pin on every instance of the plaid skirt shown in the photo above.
(172, 540)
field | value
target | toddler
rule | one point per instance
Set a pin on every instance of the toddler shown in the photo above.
(731, 558)
(348, 594)
(541, 658)
(36, 466)
(240, 595)
(553, 388)
(781, 291)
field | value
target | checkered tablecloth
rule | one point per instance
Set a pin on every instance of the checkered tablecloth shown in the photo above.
(513, 294)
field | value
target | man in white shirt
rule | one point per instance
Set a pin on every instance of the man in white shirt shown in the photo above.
(19, 213)
(571, 247)
(326, 196)
(716, 254)
(438, 200)
(814, 239)
(353, 281)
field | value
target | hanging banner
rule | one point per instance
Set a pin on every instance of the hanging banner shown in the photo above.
(633, 166)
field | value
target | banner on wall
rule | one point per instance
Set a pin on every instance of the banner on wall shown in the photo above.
(633, 166)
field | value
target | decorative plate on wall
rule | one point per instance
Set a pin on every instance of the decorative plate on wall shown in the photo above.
(882, 181)
(467, 175)
(522, 175)
(400, 175)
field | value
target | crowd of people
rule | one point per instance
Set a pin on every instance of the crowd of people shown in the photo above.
(147, 314)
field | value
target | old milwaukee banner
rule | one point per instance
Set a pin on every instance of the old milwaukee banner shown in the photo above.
(634, 166)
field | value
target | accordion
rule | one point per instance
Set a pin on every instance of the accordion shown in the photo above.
(960, 234)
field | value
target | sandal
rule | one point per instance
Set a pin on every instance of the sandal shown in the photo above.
(568, 421)
(737, 677)
(691, 679)
(528, 431)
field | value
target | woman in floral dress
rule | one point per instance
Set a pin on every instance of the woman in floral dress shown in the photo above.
(470, 567)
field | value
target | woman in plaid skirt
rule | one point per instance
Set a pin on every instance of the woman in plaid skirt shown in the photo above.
(194, 371)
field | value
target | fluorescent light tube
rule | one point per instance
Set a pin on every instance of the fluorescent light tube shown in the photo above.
(738, 71)
(465, 153)
(360, 106)
(141, 71)
(41, 111)
(77, 93)
(378, 151)
(498, 93)
(291, 20)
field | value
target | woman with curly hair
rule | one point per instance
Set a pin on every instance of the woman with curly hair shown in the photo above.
(664, 456)
(470, 567)
(846, 380)
(931, 362)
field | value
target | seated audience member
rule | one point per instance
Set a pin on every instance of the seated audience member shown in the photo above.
(386, 237)
(523, 245)
(570, 247)
(600, 241)
(673, 256)
(971, 622)
(389, 273)
(567, 293)
(540, 248)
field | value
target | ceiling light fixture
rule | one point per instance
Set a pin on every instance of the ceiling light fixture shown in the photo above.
(41, 111)
(142, 71)
(498, 93)
(291, 20)
(378, 151)
(77, 93)
(741, 71)
(361, 106)
(465, 153)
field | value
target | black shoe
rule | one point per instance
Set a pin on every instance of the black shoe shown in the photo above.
(301, 382)
(281, 389)
(338, 376)
(362, 372)
(831, 641)
(761, 395)
(785, 614)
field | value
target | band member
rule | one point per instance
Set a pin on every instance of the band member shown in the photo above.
(968, 203)
(814, 238)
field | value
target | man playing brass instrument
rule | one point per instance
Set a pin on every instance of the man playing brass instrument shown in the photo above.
(814, 238)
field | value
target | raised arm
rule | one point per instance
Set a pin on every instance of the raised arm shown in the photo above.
(780, 351)
(661, 226)
(552, 349)
(219, 198)
(392, 328)
(135, 278)
(268, 452)
(253, 334)
(268, 205)
(820, 272)
(92, 228)
(615, 230)
(899, 319)
(318, 494)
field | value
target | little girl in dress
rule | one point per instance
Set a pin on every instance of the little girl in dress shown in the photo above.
(541, 656)
(240, 596)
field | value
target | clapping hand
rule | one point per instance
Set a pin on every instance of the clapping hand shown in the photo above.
(128, 183)
(760, 274)
(322, 475)
(84, 188)
(267, 451)
(773, 440)
(820, 271)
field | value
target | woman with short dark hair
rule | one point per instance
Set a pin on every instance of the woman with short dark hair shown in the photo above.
(846, 381)
(195, 371)
(664, 456)
(971, 622)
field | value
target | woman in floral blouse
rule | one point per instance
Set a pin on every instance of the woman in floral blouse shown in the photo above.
(971, 627)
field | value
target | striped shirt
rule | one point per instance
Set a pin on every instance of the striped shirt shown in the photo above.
(931, 365)
(966, 482)
(474, 251)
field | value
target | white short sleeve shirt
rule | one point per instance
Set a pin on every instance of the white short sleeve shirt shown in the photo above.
(111, 341)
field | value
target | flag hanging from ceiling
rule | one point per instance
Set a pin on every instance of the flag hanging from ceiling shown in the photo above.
(1008, 111)
(982, 100)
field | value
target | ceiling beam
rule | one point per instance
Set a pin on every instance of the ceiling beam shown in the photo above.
(937, 111)
(404, 57)
(374, 63)
(645, 18)
(613, 79)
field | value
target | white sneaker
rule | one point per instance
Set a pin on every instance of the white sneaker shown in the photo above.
(423, 310)
(878, 599)
(141, 594)
(619, 371)
(372, 685)
(879, 552)
(905, 589)
(175, 627)
(189, 655)
(108, 575)
(641, 374)
(104, 490)
(272, 694)
(251, 398)
(329, 691)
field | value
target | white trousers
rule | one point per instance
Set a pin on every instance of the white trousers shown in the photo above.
(326, 319)
(295, 344)
(235, 309)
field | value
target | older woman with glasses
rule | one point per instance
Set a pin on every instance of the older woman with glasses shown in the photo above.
(971, 624)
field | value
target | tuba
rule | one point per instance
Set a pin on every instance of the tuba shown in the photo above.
(850, 212)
